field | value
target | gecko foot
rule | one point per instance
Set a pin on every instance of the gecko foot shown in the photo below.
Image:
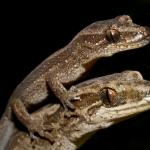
(72, 97)
(69, 104)
(42, 133)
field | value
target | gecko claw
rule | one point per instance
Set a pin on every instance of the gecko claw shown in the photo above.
(77, 98)
(33, 136)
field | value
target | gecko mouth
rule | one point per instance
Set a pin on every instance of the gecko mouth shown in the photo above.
(129, 46)
(138, 38)
(144, 34)
(138, 42)
(121, 112)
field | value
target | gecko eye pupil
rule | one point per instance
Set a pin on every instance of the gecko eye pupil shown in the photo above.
(112, 35)
(109, 97)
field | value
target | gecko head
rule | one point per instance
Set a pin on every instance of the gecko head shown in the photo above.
(120, 100)
(122, 34)
(114, 35)
(117, 93)
(114, 98)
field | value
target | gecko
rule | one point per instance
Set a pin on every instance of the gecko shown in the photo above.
(104, 101)
(100, 39)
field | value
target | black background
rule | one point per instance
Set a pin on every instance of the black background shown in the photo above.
(31, 32)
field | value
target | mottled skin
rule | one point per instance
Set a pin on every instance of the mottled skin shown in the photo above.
(103, 102)
(100, 39)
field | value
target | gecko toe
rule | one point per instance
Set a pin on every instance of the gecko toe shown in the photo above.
(70, 105)
(33, 136)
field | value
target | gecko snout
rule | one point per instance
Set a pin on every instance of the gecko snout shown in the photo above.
(146, 31)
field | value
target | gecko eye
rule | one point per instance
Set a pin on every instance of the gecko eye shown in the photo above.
(109, 97)
(112, 35)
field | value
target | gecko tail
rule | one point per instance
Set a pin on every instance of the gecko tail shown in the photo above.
(7, 129)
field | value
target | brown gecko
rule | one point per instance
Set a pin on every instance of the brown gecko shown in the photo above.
(100, 39)
(104, 101)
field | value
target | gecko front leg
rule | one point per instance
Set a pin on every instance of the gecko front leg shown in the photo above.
(62, 93)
